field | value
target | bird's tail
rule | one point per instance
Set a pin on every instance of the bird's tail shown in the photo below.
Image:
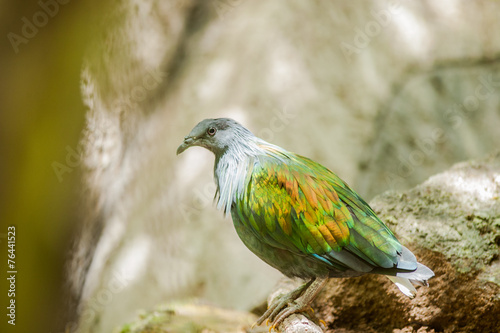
(406, 281)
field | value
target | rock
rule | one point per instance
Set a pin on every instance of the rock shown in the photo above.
(190, 318)
(451, 223)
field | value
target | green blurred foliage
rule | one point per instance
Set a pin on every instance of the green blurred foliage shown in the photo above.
(41, 114)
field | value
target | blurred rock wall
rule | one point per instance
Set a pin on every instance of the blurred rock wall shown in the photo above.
(385, 94)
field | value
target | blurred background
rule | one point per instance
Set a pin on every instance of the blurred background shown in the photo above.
(96, 96)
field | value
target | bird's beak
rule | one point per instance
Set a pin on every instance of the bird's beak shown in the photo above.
(188, 142)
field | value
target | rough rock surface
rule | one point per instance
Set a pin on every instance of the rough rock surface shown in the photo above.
(452, 223)
(190, 318)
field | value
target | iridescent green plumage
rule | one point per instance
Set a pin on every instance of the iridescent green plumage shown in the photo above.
(296, 204)
(299, 217)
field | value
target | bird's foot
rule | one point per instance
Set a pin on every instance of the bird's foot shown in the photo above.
(281, 302)
(298, 300)
(293, 307)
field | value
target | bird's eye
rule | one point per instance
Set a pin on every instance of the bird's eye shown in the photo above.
(211, 131)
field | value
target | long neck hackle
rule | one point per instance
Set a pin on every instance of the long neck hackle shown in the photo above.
(233, 169)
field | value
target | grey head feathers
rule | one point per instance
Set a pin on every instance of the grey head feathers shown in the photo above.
(236, 151)
(216, 135)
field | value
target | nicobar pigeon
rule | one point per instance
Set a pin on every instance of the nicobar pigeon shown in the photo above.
(299, 217)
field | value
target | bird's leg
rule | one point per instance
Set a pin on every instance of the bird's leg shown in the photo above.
(281, 301)
(300, 304)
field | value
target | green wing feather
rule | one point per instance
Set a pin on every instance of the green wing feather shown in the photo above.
(301, 206)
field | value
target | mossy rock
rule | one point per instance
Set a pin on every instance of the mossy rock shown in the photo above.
(193, 317)
(452, 223)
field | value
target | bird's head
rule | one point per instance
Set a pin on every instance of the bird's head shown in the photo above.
(216, 135)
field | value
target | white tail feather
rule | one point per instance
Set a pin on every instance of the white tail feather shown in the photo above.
(404, 285)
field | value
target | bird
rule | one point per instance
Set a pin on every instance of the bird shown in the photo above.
(299, 217)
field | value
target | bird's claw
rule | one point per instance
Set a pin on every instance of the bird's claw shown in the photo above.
(280, 312)
(275, 308)
(286, 305)
(288, 311)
